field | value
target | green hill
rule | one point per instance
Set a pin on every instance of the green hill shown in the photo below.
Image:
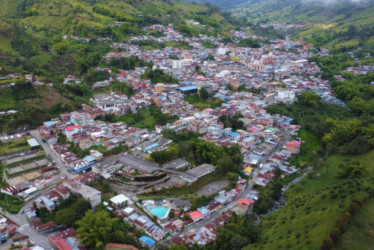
(33, 29)
(339, 24)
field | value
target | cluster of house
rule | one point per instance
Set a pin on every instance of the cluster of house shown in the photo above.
(270, 74)
(66, 240)
(204, 235)
(359, 70)
(208, 232)
(51, 199)
(77, 186)
(80, 128)
(281, 26)
(7, 229)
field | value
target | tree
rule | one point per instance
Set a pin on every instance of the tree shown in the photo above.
(106, 187)
(203, 93)
(171, 214)
(351, 169)
(327, 244)
(238, 241)
(66, 216)
(309, 98)
(211, 57)
(80, 207)
(95, 229)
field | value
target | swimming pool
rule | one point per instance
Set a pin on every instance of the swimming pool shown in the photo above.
(160, 212)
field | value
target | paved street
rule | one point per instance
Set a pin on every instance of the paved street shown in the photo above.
(63, 169)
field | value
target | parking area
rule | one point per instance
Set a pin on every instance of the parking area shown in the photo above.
(213, 187)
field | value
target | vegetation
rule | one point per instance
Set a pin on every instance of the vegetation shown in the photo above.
(13, 146)
(325, 121)
(146, 118)
(165, 156)
(232, 122)
(98, 228)
(84, 152)
(69, 211)
(128, 63)
(10, 203)
(314, 205)
(249, 42)
(358, 234)
(158, 76)
(203, 100)
(268, 195)
(209, 45)
(32, 35)
(196, 151)
(238, 233)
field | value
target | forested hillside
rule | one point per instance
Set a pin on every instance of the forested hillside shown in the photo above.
(334, 24)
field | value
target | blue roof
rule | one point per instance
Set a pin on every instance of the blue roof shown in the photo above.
(151, 146)
(147, 240)
(89, 158)
(233, 134)
(203, 210)
(49, 123)
(255, 157)
(220, 199)
(188, 88)
(289, 119)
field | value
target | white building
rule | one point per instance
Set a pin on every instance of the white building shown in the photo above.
(71, 130)
(286, 96)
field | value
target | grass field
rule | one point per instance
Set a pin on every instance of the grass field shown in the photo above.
(203, 104)
(7, 99)
(361, 230)
(11, 204)
(314, 205)
(14, 146)
(309, 150)
(147, 121)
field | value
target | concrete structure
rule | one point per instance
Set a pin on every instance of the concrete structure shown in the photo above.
(201, 170)
(109, 102)
(88, 193)
(120, 200)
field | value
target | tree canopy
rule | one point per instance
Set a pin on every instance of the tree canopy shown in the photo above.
(95, 228)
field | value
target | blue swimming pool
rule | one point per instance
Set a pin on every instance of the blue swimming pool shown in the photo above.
(160, 212)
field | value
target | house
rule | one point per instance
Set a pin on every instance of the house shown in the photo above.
(63, 191)
(244, 203)
(88, 193)
(71, 130)
(179, 203)
(45, 226)
(196, 215)
(215, 206)
(10, 190)
(293, 146)
(120, 200)
(248, 171)
(149, 242)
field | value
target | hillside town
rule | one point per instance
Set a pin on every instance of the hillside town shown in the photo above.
(72, 155)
